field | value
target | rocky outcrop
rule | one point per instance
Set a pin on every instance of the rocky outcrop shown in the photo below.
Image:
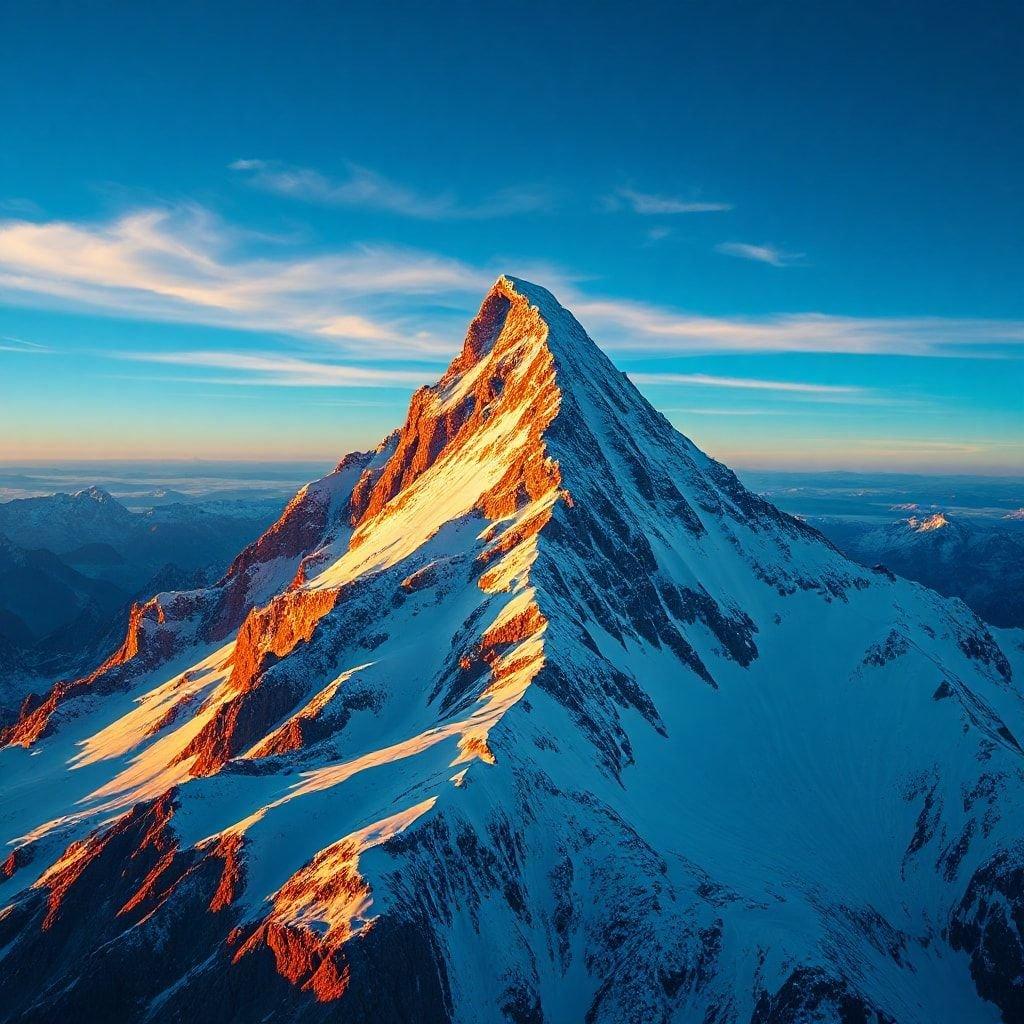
(307, 523)
(988, 925)
(150, 639)
(268, 634)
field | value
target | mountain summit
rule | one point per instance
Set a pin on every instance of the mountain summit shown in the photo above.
(532, 714)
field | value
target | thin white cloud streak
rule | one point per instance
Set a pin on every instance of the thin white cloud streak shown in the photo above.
(22, 341)
(20, 207)
(918, 444)
(785, 391)
(658, 234)
(859, 454)
(281, 370)
(697, 410)
(627, 326)
(744, 383)
(365, 188)
(20, 345)
(759, 253)
(647, 204)
(912, 455)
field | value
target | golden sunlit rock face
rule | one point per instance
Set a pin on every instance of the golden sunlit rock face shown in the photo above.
(232, 880)
(499, 374)
(491, 408)
(143, 635)
(523, 716)
(268, 633)
(928, 524)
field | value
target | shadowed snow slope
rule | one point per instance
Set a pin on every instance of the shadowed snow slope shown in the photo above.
(532, 714)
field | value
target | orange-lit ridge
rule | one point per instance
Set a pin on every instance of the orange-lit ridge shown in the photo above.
(474, 440)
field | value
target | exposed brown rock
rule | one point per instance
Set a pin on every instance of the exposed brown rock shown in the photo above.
(267, 634)
(526, 623)
(314, 961)
(232, 879)
(144, 638)
(521, 379)
(143, 835)
(16, 859)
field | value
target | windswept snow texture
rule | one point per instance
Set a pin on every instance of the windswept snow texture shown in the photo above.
(535, 714)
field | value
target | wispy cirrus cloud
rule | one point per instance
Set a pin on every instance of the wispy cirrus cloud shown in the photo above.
(279, 370)
(902, 454)
(8, 344)
(627, 326)
(185, 264)
(745, 383)
(19, 206)
(912, 444)
(769, 254)
(704, 410)
(647, 204)
(363, 187)
(658, 234)
(908, 447)
(783, 390)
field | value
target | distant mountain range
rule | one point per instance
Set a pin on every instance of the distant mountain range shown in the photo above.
(199, 532)
(142, 484)
(979, 561)
(962, 535)
(62, 522)
(71, 565)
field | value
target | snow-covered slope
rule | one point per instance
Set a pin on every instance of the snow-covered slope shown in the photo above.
(981, 563)
(533, 714)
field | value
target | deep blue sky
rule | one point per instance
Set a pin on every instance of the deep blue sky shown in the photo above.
(208, 212)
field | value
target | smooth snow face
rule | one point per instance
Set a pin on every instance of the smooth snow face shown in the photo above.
(558, 721)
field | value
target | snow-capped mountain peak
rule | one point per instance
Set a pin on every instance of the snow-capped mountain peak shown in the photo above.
(532, 713)
(94, 493)
(928, 524)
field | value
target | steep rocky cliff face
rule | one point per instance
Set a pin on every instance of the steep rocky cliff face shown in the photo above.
(532, 714)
